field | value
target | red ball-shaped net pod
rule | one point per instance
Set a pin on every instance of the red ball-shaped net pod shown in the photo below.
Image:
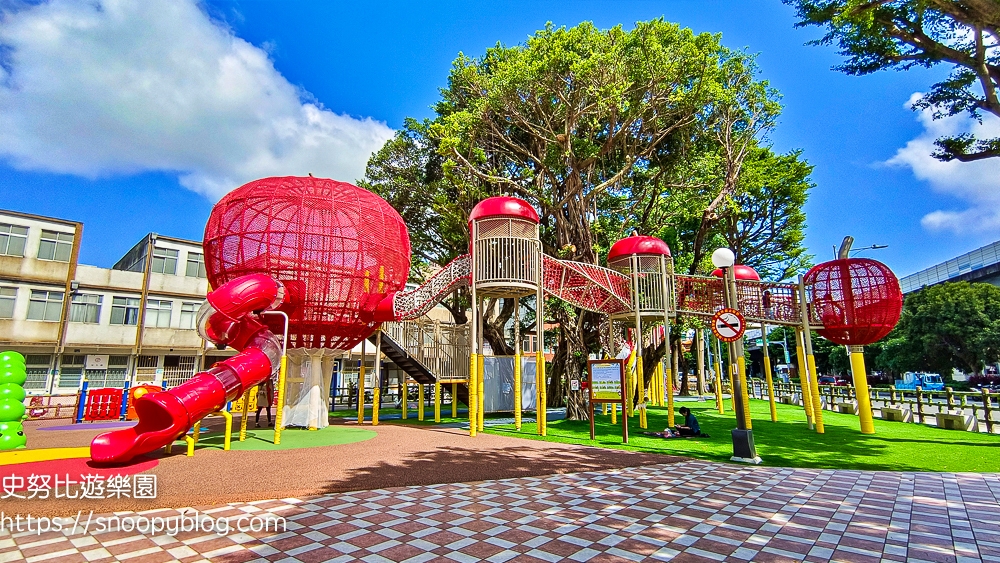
(338, 249)
(856, 300)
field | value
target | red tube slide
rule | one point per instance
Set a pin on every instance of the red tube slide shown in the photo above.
(228, 317)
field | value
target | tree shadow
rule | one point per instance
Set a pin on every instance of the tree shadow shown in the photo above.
(456, 464)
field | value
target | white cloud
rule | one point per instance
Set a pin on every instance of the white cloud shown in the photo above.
(122, 86)
(977, 183)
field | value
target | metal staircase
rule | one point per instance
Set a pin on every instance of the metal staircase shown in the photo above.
(428, 351)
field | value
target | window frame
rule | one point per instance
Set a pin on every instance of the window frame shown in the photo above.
(199, 263)
(157, 311)
(191, 315)
(47, 305)
(8, 298)
(7, 233)
(89, 305)
(126, 306)
(57, 246)
(163, 259)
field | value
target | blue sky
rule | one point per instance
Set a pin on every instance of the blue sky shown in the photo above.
(137, 116)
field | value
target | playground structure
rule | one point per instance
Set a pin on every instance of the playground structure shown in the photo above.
(325, 262)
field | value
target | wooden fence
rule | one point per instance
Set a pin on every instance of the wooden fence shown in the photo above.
(915, 405)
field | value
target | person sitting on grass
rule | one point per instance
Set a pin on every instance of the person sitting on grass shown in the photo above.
(690, 426)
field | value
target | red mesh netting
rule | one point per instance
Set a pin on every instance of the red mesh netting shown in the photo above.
(339, 250)
(857, 300)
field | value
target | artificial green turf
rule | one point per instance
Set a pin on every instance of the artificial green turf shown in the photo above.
(291, 438)
(895, 446)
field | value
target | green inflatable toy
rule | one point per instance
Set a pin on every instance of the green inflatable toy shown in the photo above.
(12, 436)
(12, 377)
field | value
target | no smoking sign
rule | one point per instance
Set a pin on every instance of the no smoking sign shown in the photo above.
(728, 325)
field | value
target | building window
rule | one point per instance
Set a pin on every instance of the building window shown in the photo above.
(178, 369)
(7, 296)
(12, 239)
(195, 265)
(125, 311)
(55, 246)
(71, 371)
(112, 377)
(164, 261)
(37, 367)
(85, 308)
(158, 313)
(189, 315)
(45, 305)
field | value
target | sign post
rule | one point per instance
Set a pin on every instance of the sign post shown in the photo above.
(607, 385)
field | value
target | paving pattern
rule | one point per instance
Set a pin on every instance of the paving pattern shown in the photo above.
(689, 511)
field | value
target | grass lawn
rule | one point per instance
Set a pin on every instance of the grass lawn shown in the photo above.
(895, 446)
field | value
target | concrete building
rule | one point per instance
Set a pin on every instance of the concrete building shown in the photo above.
(980, 265)
(133, 322)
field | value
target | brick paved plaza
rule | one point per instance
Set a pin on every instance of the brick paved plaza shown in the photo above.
(689, 511)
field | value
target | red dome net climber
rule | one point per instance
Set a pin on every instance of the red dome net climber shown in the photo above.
(338, 249)
(856, 300)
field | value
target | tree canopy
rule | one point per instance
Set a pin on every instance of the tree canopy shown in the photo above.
(951, 325)
(901, 34)
(655, 129)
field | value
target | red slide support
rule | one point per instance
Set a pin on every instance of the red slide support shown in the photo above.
(228, 317)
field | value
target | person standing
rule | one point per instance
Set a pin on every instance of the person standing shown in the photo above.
(265, 396)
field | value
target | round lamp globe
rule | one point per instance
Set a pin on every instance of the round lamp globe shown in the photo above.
(723, 258)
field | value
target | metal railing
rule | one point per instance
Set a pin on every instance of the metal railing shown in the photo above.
(923, 406)
(441, 347)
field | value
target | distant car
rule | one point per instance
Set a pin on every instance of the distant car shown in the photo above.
(827, 380)
(842, 382)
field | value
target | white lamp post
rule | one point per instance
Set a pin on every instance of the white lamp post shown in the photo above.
(743, 446)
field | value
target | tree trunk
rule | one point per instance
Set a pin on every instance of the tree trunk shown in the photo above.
(574, 365)
(682, 361)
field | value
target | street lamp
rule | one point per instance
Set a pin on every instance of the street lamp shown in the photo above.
(872, 247)
(743, 446)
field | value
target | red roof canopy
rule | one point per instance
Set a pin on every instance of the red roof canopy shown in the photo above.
(639, 244)
(503, 206)
(742, 273)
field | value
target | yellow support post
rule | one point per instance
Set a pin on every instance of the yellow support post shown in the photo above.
(377, 389)
(814, 387)
(732, 388)
(361, 384)
(437, 401)
(768, 377)
(481, 384)
(770, 388)
(670, 394)
(605, 409)
(405, 402)
(190, 445)
(246, 415)
(860, 377)
(454, 400)
(196, 435)
(718, 380)
(517, 390)
(542, 414)
(803, 378)
(227, 441)
(614, 413)
(741, 364)
(643, 401)
(420, 401)
(473, 395)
